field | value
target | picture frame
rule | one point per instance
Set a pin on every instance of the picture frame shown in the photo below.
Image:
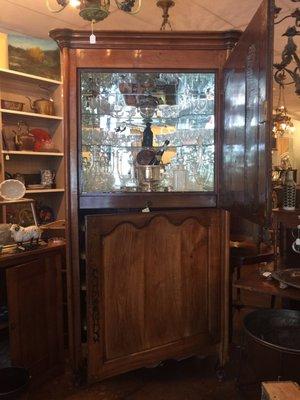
(34, 56)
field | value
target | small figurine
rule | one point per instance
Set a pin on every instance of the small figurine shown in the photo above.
(21, 234)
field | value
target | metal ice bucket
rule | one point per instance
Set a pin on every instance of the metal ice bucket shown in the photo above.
(149, 176)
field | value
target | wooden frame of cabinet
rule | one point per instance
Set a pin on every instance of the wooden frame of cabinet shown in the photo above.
(194, 51)
(129, 50)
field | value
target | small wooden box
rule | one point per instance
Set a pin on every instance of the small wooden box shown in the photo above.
(280, 391)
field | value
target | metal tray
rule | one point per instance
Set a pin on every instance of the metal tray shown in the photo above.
(290, 277)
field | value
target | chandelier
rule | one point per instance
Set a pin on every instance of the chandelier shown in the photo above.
(282, 123)
(97, 10)
(290, 61)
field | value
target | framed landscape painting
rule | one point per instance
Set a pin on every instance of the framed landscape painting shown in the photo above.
(34, 56)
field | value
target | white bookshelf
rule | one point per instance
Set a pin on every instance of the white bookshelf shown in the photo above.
(17, 86)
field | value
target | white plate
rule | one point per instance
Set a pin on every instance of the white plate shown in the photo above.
(37, 186)
(12, 189)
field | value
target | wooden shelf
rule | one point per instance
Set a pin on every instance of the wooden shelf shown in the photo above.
(20, 201)
(59, 224)
(254, 282)
(27, 77)
(15, 86)
(30, 114)
(33, 153)
(45, 191)
(58, 228)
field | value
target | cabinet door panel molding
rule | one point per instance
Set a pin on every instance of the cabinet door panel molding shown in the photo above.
(154, 287)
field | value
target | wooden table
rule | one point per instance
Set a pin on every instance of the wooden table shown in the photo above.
(282, 220)
(287, 218)
(258, 284)
(12, 259)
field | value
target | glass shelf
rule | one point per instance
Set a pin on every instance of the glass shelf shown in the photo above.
(121, 113)
(170, 147)
(93, 121)
(105, 93)
(153, 119)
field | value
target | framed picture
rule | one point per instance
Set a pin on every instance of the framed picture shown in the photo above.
(34, 56)
(20, 214)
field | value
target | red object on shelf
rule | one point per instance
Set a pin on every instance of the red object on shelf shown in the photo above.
(42, 138)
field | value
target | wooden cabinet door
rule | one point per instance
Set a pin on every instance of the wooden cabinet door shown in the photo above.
(35, 314)
(245, 172)
(155, 287)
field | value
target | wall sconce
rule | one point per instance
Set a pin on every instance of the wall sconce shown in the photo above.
(289, 54)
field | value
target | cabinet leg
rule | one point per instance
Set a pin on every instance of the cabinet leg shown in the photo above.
(220, 368)
(221, 374)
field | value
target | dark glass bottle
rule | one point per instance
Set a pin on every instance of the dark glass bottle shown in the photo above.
(147, 136)
(160, 153)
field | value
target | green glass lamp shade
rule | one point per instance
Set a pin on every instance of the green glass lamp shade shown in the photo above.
(95, 10)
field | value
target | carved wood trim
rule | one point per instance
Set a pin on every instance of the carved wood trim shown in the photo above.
(205, 40)
(107, 229)
(95, 301)
(101, 362)
(152, 220)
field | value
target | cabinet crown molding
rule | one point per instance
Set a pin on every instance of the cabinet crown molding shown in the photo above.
(206, 40)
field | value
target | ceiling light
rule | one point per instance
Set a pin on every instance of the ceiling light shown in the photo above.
(98, 10)
(95, 10)
(282, 122)
(165, 5)
(74, 3)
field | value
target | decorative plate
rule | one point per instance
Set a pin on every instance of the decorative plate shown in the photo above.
(12, 189)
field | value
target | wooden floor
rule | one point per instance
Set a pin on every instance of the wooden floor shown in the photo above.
(192, 379)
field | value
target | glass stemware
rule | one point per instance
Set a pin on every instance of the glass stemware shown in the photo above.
(114, 109)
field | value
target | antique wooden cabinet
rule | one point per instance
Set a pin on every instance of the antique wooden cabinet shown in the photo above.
(34, 299)
(154, 285)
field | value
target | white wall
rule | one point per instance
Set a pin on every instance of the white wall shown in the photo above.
(291, 144)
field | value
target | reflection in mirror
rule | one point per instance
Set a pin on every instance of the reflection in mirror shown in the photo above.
(147, 131)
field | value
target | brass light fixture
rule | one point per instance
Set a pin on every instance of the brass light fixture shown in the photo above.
(282, 122)
(165, 5)
(98, 10)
